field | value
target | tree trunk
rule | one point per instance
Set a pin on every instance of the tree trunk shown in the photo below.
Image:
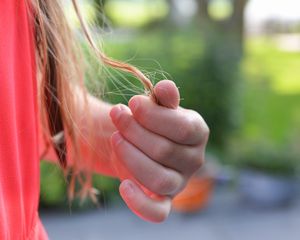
(238, 22)
(203, 12)
(232, 28)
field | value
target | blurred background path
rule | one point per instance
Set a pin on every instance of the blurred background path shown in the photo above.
(225, 219)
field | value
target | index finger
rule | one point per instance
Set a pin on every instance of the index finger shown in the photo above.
(179, 125)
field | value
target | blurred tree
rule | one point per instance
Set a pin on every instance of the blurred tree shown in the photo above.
(203, 10)
(100, 15)
(173, 12)
(233, 25)
(215, 92)
(181, 13)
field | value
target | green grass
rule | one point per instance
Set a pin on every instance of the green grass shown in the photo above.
(281, 68)
(272, 92)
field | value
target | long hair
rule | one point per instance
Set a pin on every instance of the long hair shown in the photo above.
(61, 87)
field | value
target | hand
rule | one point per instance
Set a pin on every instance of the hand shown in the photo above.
(157, 148)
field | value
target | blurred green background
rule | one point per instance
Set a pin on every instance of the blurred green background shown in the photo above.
(238, 70)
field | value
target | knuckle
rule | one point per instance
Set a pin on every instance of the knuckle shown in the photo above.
(186, 129)
(125, 122)
(199, 126)
(138, 110)
(144, 115)
(165, 184)
(205, 130)
(195, 159)
(202, 127)
(197, 162)
(163, 151)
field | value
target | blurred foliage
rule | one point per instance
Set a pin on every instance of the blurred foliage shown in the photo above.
(265, 157)
(269, 135)
(53, 187)
(280, 68)
(214, 92)
(133, 13)
(220, 9)
(271, 98)
(53, 192)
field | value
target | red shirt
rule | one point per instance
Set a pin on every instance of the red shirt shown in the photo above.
(19, 151)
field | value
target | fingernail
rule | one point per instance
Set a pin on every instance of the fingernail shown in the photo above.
(116, 138)
(128, 187)
(116, 111)
(133, 104)
(163, 90)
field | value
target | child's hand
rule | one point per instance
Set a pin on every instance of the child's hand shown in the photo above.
(157, 149)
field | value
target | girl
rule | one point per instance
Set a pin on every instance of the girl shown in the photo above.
(152, 145)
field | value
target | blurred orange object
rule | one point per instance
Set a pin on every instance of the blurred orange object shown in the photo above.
(196, 194)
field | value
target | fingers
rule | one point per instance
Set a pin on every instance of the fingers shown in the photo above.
(181, 126)
(150, 209)
(184, 159)
(167, 94)
(155, 177)
(156, 149)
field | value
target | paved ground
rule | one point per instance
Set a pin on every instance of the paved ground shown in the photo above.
(225, 219)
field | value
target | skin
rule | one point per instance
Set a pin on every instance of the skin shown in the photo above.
(153, 149)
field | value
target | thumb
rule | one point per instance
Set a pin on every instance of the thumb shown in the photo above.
(149, 209)
(167, 94)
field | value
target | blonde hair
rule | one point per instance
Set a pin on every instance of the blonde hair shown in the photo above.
(60, 74)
